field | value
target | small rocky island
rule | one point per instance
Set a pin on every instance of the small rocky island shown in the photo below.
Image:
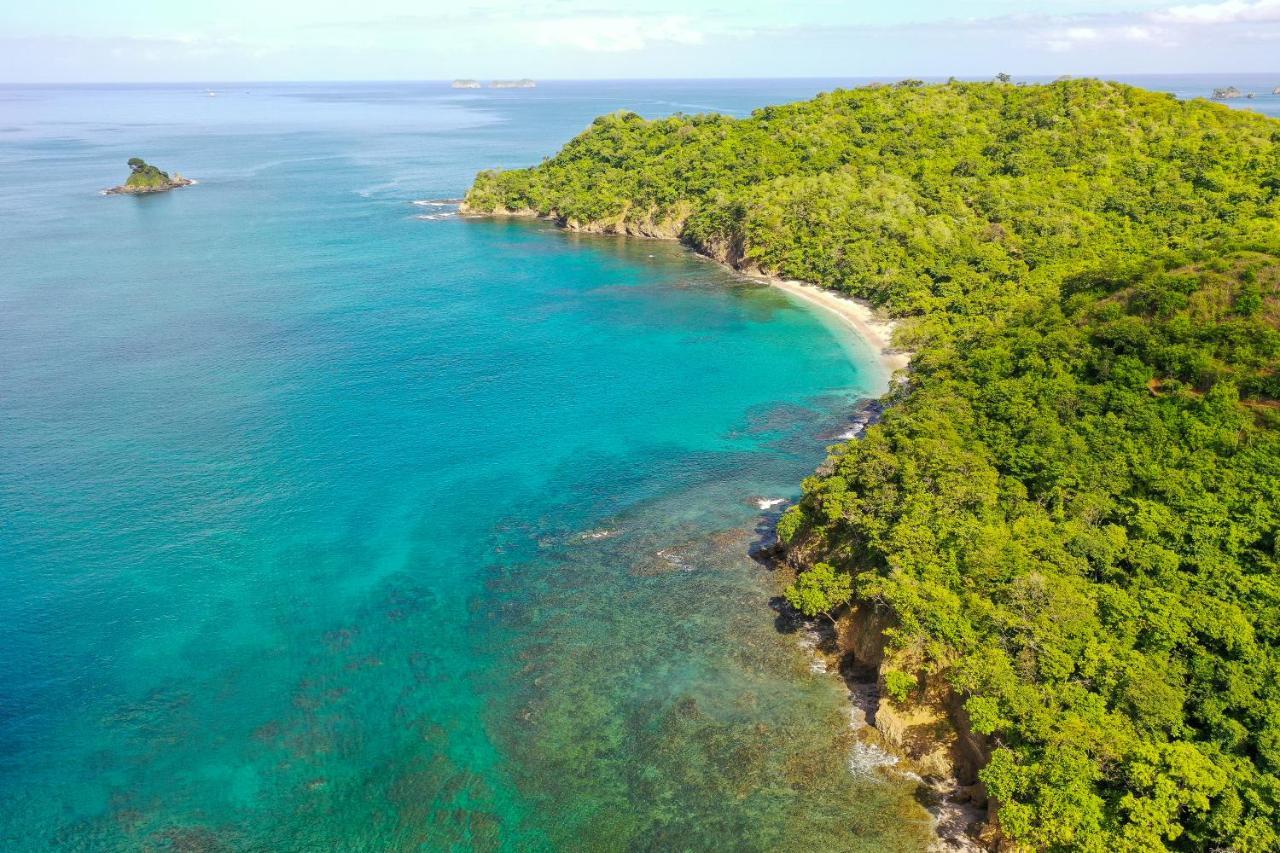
(145, 178)
(466, 84)
(1224, 93)
(524, 83)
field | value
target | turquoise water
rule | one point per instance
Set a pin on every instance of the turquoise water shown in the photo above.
(327, 526)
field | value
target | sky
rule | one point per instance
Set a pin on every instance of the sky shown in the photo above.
(242, 40)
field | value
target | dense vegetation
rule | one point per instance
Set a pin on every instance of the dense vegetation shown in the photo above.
(1072, 508)
(143, 175)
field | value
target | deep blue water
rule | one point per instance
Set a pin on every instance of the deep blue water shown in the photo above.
(330, 523)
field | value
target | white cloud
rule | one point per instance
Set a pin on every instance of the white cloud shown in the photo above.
(615, 34)
(1140, 34)
(1081, 34)
(1227, 12)
(1065, 39)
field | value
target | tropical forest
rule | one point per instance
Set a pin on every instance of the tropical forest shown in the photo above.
(1069, 514)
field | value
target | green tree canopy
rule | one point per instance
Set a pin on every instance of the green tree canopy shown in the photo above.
(1072, 510)
(820, 590)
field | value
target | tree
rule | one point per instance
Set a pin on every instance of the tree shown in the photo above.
(1071, 510)
(1002, 77)
(136, 163)
(820, 590)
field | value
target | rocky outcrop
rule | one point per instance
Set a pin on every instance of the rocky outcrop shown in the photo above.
(145, 178)
(926, 736)
(929, 730)
(624, 224)
(1224, 93)
(172, 184)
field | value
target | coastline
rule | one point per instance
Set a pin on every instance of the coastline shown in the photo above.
(952, 814)
(856, 314)
(174, 184)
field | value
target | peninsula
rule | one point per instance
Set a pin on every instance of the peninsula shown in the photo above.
(1060, 548)
(145, 178)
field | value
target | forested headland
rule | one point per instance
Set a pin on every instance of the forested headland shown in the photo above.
(1070, 511)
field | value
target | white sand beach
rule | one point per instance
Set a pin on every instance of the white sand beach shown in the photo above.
(855, 313)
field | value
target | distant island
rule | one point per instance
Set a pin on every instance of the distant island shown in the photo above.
(1224, 93)
(145, 178)
(524, 83)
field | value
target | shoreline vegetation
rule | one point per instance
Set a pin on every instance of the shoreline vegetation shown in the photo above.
(871, 326)
(1053, 565)
(145, 178)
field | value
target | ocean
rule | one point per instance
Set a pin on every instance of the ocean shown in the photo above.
(332, 521)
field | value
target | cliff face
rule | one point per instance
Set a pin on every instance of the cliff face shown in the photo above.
(928, 727)
(928, 730)
(660, 225)
(625, 224)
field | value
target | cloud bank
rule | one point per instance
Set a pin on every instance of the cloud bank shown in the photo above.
(575, 40)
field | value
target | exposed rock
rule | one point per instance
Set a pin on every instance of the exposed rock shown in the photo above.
(1223, 93)
(466, 84)
(864, 414)
(145, 178)
(929, 732)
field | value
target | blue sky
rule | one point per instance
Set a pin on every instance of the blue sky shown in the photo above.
(174, 40)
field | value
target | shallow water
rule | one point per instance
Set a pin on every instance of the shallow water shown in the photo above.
(326, 525)
(332, 521)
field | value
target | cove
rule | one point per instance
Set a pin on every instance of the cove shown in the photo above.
(325, 525)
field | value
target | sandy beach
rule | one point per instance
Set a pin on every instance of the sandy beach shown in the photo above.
(856, 314)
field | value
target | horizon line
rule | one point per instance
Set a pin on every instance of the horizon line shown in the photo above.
(895, 77)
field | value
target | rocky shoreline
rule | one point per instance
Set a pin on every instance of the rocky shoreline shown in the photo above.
(927, 741)
(174, 183)
(918, 741)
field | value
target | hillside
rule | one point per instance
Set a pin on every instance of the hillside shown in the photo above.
(1070, 513)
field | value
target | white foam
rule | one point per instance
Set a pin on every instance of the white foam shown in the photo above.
(867, 758)
(769, 503)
